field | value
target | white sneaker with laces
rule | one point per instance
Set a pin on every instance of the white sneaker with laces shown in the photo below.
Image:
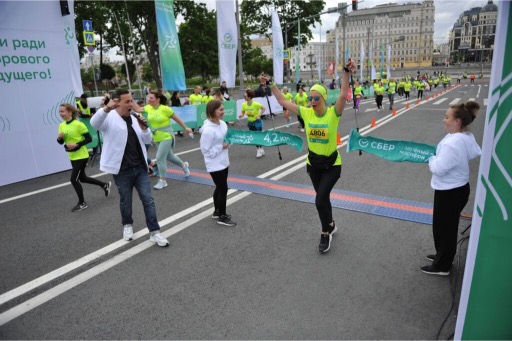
(128, 232)
(160, 184)
(262, 151)
(258, 153)
(157, 238)
(186, 170)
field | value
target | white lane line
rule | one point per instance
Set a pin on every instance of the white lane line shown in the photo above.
(485, 101)
(44, 190)
(440, 101)
(71, 283)
(478, 92)
(44, 297)
(454, 102)
(472, 99)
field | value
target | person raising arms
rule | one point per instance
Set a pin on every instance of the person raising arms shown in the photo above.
(324, 161)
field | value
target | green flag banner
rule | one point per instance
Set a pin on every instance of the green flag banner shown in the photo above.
(173, 73)
(485, 307)
(267, 138)
(391, 150)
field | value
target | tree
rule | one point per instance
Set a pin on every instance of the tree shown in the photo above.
(257, 17)
(255, 62)
(198, 42)
(136, 17)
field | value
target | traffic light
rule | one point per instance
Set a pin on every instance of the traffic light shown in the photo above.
(354, 5)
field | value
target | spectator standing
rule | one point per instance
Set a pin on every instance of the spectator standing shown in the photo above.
(124, 156)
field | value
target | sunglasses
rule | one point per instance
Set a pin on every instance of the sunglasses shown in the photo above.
(315, 98)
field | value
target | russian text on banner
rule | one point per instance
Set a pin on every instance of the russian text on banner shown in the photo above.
(391, 150)
(267, 138)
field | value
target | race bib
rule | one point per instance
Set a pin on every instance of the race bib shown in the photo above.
(318, 133)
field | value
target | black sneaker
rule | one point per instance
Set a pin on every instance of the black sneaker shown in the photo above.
(216, 214)
(106, 188)
(226, 220)
(325, 242)
(334, 228)
(431, 257)
(79, 207)
(432, 270)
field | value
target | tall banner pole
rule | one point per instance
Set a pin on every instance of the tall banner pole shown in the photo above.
(485, 307)
(362, 62)
(297, 57)
(173, 72)
(389, 62)
(227, 33)
(277, 48)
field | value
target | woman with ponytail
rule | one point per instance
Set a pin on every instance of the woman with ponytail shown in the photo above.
(450, 181)
(74, 135)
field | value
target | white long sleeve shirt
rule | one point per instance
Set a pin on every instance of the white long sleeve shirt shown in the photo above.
(450, 165)
(115, 136)
(216, 158)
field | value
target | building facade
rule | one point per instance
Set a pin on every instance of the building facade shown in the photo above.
(407, 28)
(472, 35)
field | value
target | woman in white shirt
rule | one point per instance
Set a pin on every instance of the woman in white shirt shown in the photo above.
(216, 158)
(450, 180)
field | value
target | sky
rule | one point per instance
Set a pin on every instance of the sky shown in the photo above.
(446, 11)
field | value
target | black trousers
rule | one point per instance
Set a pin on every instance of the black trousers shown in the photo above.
(301, 121)
(323, 182)
(220, 179)
(78, 175)
(406, 94)
(448, 205)
(378, 100)
(420, 94)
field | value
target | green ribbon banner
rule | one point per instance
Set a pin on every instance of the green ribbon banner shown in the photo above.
(267, 138)
(391, 150)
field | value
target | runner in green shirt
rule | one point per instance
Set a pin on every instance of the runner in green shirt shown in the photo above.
(74, 135)
(324, 160)
(289, 97)
(301, 99)
(159, 118)
(253, 110)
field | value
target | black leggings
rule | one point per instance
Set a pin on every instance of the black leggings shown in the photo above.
(78, 175)
(323, 182)
(406, 94)
(301, 121)
(378, 100)
(448, 205)
(420, 94)
(220, 179)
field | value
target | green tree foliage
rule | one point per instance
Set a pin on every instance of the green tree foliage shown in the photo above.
(255, 63)
(147, 72)
(107, 71)
(140, 16)
(257, 17)
(198, 42)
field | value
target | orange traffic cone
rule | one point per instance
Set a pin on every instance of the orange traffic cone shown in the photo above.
(417, 101)
(338, 139)
(374, 122)
(426, 98)
(394, 112)
(407, 106)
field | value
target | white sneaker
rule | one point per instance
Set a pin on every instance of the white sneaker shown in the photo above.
(258, 153)
(301, 130)
(287, 126)
(156, 237)
(128, 232)
(262, 151)
(185, 169)
(160, 184)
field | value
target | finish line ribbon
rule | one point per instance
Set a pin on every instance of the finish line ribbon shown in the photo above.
(267, 138)
(391, 150)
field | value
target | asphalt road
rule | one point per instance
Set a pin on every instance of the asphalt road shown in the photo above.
(71, 276)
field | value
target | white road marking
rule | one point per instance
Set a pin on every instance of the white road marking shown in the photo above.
(440, 101)
(455, 101)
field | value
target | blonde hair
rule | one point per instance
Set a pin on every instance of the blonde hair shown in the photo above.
(75, 112)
